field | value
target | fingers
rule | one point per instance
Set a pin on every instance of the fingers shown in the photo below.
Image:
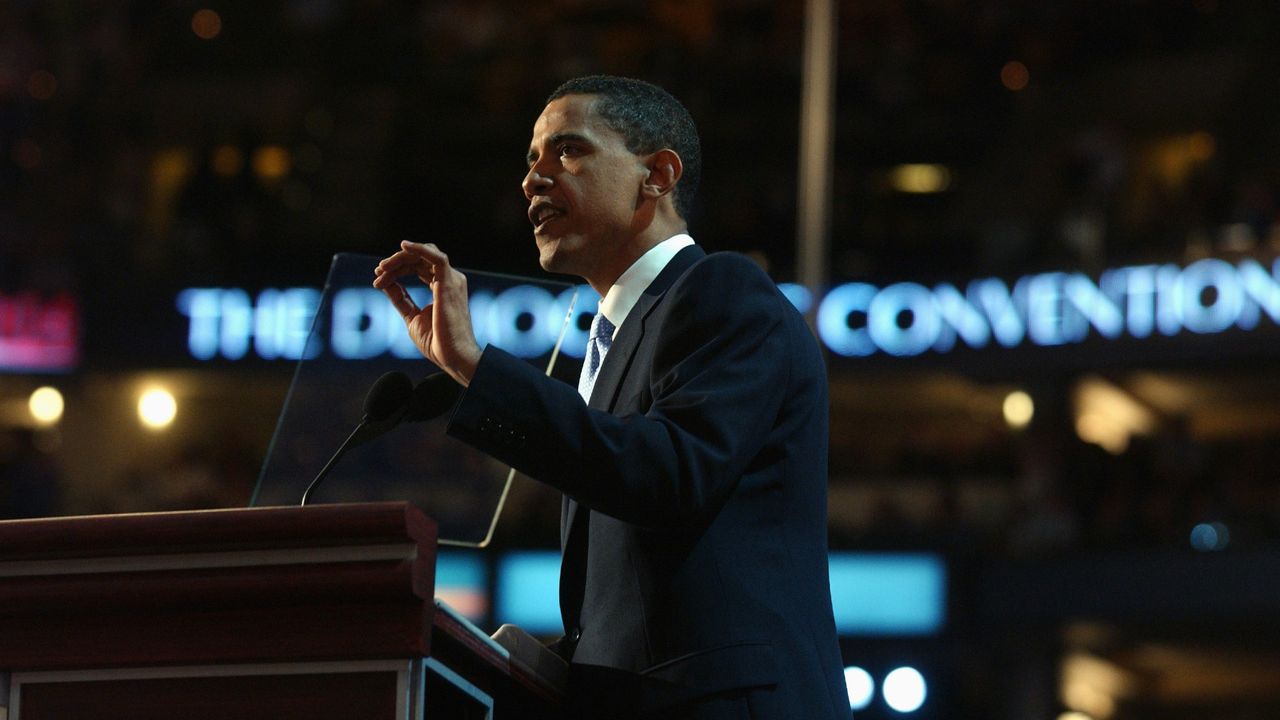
(400, 264)
(401, 300)
(429, 251)
(407, 261)
(422, 259)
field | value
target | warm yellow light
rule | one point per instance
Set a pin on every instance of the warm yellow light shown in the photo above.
(1104, 431)
(1090, 686)
(1018, 409)
(1015, 76)
(46, 405)
(170, 169)
(206, 24)
(1177, 156)
(271, 162)
(920, 178)
(157, 408)
(1107, 415)
(1074, 715)
(227, 160)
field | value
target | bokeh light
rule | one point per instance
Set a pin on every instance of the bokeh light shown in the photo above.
(1210, 536)
(206, 24)
(271, 162)
(1018, 409)
(861, 686)
(905, 690)
(920, 178)
(46, 405)
(1015, 76)
(157, 408)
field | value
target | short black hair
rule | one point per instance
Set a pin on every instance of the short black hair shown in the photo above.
(649, 119)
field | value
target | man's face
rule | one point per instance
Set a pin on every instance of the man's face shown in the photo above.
(583, 186)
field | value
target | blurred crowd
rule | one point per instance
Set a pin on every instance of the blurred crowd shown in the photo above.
(139, 137)
(1046, 495)
(1030, 498)
(146, 147)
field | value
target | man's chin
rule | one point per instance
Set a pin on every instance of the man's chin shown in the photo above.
(550, 256)
(546, 254)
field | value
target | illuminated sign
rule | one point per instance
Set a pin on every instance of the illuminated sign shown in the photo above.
(360, 324)
(39, 334)
(1049, 309)
(223, 321)
(527, 591)
(855, 319)
(462, 581)
(893, 594)
(888, 593)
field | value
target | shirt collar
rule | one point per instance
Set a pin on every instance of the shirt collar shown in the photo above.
(623, 295)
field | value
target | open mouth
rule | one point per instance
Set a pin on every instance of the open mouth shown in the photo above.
(543, 213)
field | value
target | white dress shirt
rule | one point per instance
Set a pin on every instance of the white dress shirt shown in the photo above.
(622, 296)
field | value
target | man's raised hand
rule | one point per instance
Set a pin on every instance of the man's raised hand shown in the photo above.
(441, 330)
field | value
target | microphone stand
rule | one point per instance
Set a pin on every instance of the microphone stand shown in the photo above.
(342, 449)
(429, 399)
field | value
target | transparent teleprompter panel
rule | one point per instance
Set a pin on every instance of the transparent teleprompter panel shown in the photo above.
(357, 337)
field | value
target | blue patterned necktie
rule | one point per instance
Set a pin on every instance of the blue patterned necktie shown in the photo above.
(597, 347)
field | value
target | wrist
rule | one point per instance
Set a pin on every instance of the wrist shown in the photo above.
(465, 367)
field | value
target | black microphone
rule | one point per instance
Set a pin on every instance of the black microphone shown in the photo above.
(389, 394)
(384, 406)
(434, 395)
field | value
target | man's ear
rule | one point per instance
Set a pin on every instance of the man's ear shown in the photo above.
(665, 169)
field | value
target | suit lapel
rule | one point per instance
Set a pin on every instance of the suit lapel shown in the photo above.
(605, 392)
(604, 395)
(573, 531)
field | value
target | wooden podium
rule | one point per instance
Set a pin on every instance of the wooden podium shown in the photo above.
(325, 611)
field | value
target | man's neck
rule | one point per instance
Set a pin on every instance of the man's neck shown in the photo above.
(633, 251)
(617, 303)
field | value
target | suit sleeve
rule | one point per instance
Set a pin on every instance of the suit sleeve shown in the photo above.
(717, 381)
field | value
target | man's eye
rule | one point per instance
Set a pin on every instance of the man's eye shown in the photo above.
(568, 149)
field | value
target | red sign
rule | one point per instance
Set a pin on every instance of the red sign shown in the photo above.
(39, 334)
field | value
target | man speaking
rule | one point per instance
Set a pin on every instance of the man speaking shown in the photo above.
(693, 455)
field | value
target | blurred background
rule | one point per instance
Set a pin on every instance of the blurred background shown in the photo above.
(1045, 276)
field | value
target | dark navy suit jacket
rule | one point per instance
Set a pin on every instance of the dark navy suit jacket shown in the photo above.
(694, 525)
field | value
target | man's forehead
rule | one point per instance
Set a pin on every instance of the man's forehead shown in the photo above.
(569, 113)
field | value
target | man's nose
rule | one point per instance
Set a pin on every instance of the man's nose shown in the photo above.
(535, 183)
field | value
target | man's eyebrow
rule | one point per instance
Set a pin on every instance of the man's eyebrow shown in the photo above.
(569, 137)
